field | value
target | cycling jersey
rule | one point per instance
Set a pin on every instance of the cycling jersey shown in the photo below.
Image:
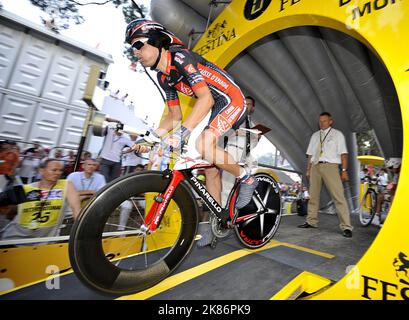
(187, 71)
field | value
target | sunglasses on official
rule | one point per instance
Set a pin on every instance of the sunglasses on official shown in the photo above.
(139, 44)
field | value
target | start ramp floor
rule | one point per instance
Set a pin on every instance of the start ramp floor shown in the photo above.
(230, 272)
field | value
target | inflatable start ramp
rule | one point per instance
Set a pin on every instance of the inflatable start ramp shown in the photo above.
(383, 27)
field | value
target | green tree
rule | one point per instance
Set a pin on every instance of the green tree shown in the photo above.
(367, 144)
(131, 12)
(62, 13)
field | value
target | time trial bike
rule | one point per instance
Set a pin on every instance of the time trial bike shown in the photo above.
(153, 217)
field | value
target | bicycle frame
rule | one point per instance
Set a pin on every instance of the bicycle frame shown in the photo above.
(156, 212)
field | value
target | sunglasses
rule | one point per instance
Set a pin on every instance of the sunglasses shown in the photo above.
(139, 44)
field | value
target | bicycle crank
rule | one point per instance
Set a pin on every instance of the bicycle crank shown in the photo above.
(217, 229)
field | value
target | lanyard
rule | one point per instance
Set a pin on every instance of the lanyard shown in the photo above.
(89, 184)
(323, 140)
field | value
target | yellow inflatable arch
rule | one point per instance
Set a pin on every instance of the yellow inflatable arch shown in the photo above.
(383, 26)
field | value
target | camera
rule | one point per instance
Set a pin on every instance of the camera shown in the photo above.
(119, 126)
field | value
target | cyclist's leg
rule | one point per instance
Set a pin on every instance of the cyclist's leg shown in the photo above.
(213, 183)
(207, 147)
(225, 117)
(226, 114)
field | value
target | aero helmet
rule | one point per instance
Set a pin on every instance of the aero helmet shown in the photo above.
(157, 34)
(393, 163)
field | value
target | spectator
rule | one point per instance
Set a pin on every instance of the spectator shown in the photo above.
(302, 202)
(85, 156)
(326, 151)
(36, 147)
(9, 160)
(87, 182)
(364, 175)
(41, 214)
(58, 154)
(69, 161)
(386, 188)
(29, 164)
(129, 158)
(110, 155)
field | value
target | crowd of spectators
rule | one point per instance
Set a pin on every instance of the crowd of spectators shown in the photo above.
(297, 195)
(31, 179)
(386, 181)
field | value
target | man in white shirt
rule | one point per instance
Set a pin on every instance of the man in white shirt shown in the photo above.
(111, 153)
(326, 152)
(87, 182)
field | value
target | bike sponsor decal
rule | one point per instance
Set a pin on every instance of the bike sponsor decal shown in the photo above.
(180, 55)
(233, 117)
(34, 195)
(216, 37)
(207, 196)
(54, 194)
(248, 240)
(255, 8)
(163, 206)
(184, 88)
(374, 288)
(361, 9)
(190, 68)
(272, 182)
(230, 110)
(222, 124)
(179, 60)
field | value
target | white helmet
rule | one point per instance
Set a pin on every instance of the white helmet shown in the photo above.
(393, 163)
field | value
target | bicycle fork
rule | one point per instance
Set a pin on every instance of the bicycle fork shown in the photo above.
(161, 201)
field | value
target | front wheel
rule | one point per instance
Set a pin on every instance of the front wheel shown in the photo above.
(257, 222)
(109, 248)
(367, 208)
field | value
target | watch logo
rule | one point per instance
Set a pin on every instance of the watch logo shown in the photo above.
(255, 8)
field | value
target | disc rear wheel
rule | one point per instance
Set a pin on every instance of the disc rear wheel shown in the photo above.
(257, 222)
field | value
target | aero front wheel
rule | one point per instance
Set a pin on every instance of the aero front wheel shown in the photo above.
(367, 208)
(257, 222)
(109, 248)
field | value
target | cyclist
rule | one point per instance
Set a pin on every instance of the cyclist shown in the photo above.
(181, 70)
(388, 189)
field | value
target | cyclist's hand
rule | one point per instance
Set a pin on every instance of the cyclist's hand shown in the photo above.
(344, 176)
(146, 142)
(177, 140)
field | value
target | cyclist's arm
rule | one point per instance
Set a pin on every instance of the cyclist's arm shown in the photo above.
(170, 121)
